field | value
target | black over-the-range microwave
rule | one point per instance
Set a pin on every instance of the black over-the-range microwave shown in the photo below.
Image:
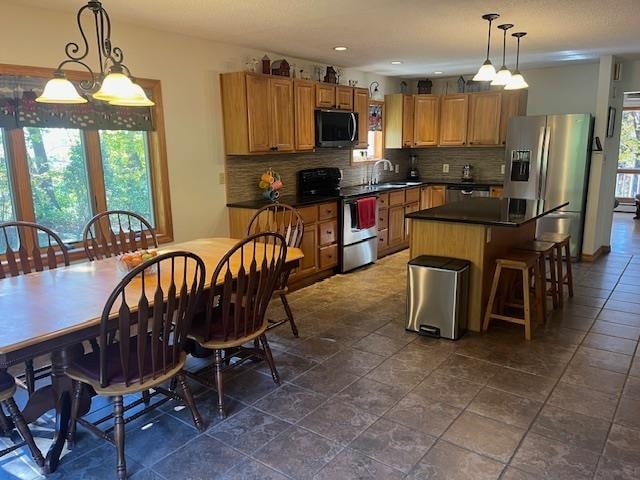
(336, 128)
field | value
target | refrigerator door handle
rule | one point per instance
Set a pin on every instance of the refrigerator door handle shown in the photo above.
(545, 138)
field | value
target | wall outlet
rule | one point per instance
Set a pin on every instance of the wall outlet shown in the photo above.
(384, 166)
(445, 168)
(221, 178)
(397, 168)
(502, 169)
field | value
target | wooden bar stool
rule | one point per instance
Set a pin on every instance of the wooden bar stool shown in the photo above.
(528, 265)
(562, 242)
(545, 251)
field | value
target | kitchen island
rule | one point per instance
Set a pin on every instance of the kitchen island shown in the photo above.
(479, 230)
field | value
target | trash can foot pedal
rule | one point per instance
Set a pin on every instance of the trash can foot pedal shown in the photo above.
(429, 331)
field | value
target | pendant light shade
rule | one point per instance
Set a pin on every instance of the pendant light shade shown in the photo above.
(114, 86)
(517, 81)
(138, 99)
(487, 71)
(60, 90)
(504, 75)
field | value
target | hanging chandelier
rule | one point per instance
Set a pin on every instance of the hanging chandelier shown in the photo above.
(517, 81)
(504, 75)
(487, 71)
(112, 84)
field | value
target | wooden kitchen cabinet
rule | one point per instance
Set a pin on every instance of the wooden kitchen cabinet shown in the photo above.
(432, 196)
(361, 107)
(309, 247)
(396, 226)
(398, 121)
(409, 208)
(495, 192)
(513, 104)
(453, 120)
(383, 223)
(325, 95)
(484, 118)
(425, 125)
(408, 123)
(304, 96)
(344, 98)
(257, 112)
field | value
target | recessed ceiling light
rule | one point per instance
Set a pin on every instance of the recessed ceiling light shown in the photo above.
(339, 49)
(437, 72)
(396, 62)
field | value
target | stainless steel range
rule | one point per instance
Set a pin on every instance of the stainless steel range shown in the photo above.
(357, 243)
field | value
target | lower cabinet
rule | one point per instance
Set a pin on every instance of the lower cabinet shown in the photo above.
(495, 192)
(393, 229)
(432, 196)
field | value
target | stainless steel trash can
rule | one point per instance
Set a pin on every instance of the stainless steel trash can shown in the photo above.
(437, 296)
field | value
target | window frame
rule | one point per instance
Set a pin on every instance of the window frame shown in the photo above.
(17, 161)
(627, 171)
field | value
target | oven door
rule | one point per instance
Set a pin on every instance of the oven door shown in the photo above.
(350, 232)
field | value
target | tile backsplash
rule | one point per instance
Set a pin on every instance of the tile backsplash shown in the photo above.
(243, 172)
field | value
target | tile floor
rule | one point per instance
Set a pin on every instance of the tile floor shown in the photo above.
(363, 399)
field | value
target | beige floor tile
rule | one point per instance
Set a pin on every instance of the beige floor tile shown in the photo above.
(505, 407)
(584, 400)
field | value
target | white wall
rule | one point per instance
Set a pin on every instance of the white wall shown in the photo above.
(188, 69)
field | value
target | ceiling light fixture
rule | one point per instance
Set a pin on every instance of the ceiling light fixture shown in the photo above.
(396, 62)
(437, 72)
(517, 81)
(115, 87)
(339, 49)
(487, 71)
(504, 75)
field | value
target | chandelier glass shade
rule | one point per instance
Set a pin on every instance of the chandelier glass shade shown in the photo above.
(115, 87)
(504, 75)
(517, 81)
(487, 71)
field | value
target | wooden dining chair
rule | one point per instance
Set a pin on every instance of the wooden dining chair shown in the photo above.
(149, 315)
(7, 389)
(285, 220)
(244, 280)
(115, 232)
(27, 247)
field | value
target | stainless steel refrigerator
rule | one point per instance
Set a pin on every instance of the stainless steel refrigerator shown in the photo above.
(548, 157)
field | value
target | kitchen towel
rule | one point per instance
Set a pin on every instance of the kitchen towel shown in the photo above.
(366, 212)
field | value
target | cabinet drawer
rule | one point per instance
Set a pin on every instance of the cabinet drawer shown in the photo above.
(327, 210)
(382, 240)
(327, 232)
(383, 200)
(383, 219)
(308, 214)
(328, 257)
(396, 198)
(412, 195)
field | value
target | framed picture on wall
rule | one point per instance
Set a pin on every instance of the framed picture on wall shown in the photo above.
(611, 121)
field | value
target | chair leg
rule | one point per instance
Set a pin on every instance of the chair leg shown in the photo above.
(75, 406)
(526, 292)
(269, 357)
(188, 399)
(29, 376)
(492, 297)
(569, 272)
(287, 309)
(118, 436)
(559, 276)
(554, 281)
(23, 428)
(6, 425)
(217, 363)
(146, 398)
(541, 286)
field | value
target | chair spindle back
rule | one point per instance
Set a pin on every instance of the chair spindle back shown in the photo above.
(115, 232)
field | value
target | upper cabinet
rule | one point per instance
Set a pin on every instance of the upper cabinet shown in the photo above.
(304, 96)
(453, 119)
(258, 113)
(361, 107)
(325, 95)
(398, 120)
(344, 98)
(408, 115)
(426, 109)
(484, 118)
(514, 103)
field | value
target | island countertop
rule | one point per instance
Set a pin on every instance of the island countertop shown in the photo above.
(501, 212)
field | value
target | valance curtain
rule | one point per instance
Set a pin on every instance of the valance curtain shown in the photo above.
(18, 108)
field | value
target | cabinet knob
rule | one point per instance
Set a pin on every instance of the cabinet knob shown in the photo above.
(463, 143)
(329, 232)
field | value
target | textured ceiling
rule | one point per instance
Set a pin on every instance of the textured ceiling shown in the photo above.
(426, 35)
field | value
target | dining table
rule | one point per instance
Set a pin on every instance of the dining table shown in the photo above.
(53, 312)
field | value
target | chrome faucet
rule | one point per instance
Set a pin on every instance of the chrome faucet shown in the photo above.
(374, 179)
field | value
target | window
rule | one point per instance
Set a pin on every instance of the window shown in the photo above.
(60, 176)
(628, 181)
(375, 137)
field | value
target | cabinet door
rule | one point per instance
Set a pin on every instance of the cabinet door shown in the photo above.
(425, 198)
(305, 98)
(383, 243)
(437, 195)
(484, 118)
(426, 113)
(361, 107)
(258, 113)
(344, 98)
(281, 95)
(327, 232)
(309, 247)
(409, 208)
(408, 133)
(325, 96)
(383, 219)
(453, 119)
(396, 225)
(495, 192)
(513, 104)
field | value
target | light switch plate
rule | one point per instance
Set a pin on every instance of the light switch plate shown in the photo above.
(397, 168)
(502, 169)
(445, 168)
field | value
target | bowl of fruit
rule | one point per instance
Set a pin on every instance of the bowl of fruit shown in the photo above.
(129, 261)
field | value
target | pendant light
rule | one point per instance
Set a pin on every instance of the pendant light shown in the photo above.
(504, 75)
(487, 71)
(517, 81)
(114, 86)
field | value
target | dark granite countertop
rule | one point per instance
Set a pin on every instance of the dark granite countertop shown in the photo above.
(479, 183)
(501, 212)
(293, 200)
